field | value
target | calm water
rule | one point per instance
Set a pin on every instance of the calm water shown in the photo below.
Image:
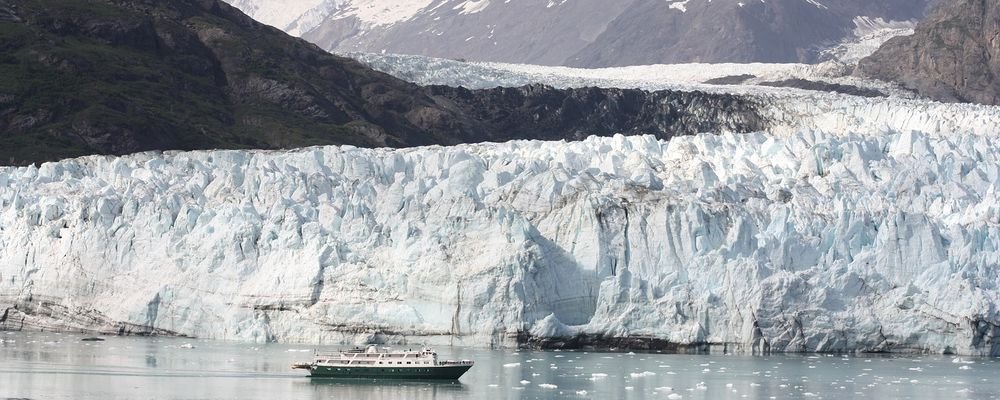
(60, 366)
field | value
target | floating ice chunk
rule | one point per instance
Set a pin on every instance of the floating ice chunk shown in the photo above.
(525, 382)
(512, 365)
(674, 396)
(547, 386)
(581, 392)
(642, 374)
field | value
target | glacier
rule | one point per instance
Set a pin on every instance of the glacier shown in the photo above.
(803, 241)
(787, 110)
(486, 75)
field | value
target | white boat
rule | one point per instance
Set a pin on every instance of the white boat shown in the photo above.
(383, 363)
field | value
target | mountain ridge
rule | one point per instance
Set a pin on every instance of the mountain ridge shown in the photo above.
(953, 56)
(82, 77)
(591, 33)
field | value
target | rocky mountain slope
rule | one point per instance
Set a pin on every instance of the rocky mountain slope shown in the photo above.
(591, 33)
(652, 32)
(113, 77)
(954, 55)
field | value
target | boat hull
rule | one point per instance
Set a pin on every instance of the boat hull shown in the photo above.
(450, 372)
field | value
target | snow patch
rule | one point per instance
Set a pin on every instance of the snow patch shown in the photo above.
(385, 12)
(679, 5)
(279, 13)
(472, 6)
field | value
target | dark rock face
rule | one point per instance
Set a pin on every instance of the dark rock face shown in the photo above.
(82, 77)
(541, 112)
(821, 86)
(8, 15)
(730, 80)
(953, 56)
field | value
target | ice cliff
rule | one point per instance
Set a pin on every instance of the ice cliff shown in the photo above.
(799, 242)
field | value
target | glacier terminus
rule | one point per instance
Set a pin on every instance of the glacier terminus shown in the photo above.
(802, 242)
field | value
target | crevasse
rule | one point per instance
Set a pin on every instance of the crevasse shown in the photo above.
(799, 242)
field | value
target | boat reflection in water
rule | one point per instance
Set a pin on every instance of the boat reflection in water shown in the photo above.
(383, 389)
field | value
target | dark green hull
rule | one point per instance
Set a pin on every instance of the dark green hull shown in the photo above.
(451, 372)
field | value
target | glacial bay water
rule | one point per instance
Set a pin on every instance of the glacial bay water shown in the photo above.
(61, 366)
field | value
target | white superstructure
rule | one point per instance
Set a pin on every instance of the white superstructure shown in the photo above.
(383, 357)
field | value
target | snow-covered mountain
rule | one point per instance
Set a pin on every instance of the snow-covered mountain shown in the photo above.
(583, 32)
(280, 13)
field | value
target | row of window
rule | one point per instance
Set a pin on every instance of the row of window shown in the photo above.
(400, 362)
(380, 362)
(349, 370)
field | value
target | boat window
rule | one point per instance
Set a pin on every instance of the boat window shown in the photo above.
(409, 362)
